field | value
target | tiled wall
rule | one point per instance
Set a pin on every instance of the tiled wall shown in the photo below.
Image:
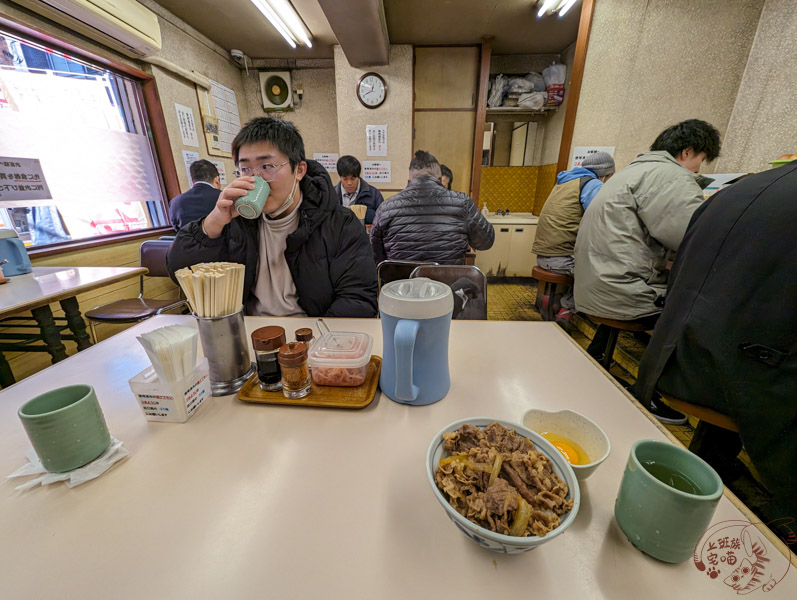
(520, 189)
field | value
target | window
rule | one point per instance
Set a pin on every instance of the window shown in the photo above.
(87, 127)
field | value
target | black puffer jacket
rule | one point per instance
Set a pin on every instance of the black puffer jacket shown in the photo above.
(328, 254)
(427, 222)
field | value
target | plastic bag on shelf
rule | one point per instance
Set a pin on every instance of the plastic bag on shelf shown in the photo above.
(520, 85)
(497, 91)
(537, 82)
(555, 77)
(533, 100)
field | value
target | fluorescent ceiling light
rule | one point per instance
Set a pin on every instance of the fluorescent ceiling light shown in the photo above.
(285, 20)
(546, 6)
(291, 19)
(563, 8)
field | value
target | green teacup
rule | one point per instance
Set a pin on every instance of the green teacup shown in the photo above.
(666, 500)
(66, 427)
(251, 205)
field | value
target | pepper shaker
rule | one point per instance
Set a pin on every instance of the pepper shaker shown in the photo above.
(295, 374)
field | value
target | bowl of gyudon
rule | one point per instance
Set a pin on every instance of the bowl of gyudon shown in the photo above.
(504, 486)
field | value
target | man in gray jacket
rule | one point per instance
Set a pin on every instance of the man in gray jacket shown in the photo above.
(425, 222)
(637, 218)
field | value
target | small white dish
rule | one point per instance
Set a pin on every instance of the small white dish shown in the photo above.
(575, 426)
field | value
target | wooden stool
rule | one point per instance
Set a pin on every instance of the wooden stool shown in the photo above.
(712, 427)
(547, 284)
(615, 328)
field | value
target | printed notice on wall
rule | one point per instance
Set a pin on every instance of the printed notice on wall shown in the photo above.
(189, 158)
(376, 171)
(185, 118)
(222, 171)
(581, 152)
(225, 105)
(376, 140)
(22, 179)
(328, 160)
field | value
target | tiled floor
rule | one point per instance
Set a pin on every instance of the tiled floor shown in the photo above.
(513, 300)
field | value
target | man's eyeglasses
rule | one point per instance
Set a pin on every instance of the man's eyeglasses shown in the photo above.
(267, 171)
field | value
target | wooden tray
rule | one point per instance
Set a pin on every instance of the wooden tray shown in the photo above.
(320, 395)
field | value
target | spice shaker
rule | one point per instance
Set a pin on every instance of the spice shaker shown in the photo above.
(295, 374)
(267, 342)
(305, 334)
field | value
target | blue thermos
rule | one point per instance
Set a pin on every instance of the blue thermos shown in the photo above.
(13, 254)
(416, 319)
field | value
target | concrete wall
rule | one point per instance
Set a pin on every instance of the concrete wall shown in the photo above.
(316, 118)
(396, 112)
(763, 125)
(652, 63)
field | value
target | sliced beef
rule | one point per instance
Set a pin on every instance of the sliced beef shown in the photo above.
(462, 440)
(506, 440)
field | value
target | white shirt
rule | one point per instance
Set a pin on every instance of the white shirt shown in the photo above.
(274, 291)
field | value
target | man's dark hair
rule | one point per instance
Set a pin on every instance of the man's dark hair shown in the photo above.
(203, 170)
(695, 134)
(446, 172)
(283, 135)
(424, 163)
(348, 166)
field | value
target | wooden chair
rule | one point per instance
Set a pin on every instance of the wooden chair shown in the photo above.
(393, 270)
(152, 256)
(475, 308)
(550, 286)
(617, 326)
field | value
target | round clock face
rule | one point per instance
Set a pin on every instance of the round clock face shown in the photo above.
(371, 90)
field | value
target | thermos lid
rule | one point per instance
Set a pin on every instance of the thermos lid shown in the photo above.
(269, 338)
(418, 298)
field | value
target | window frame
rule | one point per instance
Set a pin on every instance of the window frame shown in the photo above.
(164, 160)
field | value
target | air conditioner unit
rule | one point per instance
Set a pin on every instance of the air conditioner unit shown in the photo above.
(123, 25)
(275, 88)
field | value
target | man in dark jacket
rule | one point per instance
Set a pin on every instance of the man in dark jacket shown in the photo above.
(306, 254)
(197, 202)
(727, 338)
(425, 222)
(353, 189)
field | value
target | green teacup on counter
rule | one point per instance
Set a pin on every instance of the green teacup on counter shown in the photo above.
(667, 499)
(66, 427)
(251, 205)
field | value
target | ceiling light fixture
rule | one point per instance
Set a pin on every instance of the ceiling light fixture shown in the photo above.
(546, 6)
(285, 20)
(563, 8)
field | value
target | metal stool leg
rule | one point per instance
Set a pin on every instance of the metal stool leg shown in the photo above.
(93, 331)
(611, 342)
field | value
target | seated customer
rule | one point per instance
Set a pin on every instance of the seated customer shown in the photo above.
(197, 202)
(637, 218)
(727, 338)
(446, 177)
(306, 254)
(560, 217)
(353, 189)
(427, 222)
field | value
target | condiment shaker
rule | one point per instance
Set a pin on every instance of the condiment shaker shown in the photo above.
(295, 374)
(267, 342)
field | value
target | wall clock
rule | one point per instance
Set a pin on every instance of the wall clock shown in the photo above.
(371, 90)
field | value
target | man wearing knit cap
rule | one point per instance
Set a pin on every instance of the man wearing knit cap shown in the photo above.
(561, 216)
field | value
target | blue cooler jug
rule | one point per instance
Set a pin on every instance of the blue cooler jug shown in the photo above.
(416, 319)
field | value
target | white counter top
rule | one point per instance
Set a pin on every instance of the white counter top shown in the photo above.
(513, 219)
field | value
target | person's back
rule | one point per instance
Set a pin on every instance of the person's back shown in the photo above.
(727, 336)
(425, 222)
(638, 216)
(197, 202)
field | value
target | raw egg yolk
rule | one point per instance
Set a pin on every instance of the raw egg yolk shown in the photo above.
(568, 451)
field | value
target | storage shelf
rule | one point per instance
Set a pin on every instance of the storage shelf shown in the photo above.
(518, 110)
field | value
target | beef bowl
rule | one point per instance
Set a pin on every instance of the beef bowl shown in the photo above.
(518, 496)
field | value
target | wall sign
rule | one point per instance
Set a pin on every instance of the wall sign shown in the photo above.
(22, 179)
(185, 117)
(581, 152)
(376, 140)
(376, 171)
(328, 160)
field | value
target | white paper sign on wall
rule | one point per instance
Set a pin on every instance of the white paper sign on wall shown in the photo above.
(581, 152)
(376, 140)
(185, 118)
(328, 160)
(376, 171)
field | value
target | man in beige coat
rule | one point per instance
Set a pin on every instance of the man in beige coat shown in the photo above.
(637, 218)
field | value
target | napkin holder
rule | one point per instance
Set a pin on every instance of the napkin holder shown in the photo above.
(171, 402)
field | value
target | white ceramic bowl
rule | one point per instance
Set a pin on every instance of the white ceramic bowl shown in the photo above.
(583, 431)
(498, 542)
